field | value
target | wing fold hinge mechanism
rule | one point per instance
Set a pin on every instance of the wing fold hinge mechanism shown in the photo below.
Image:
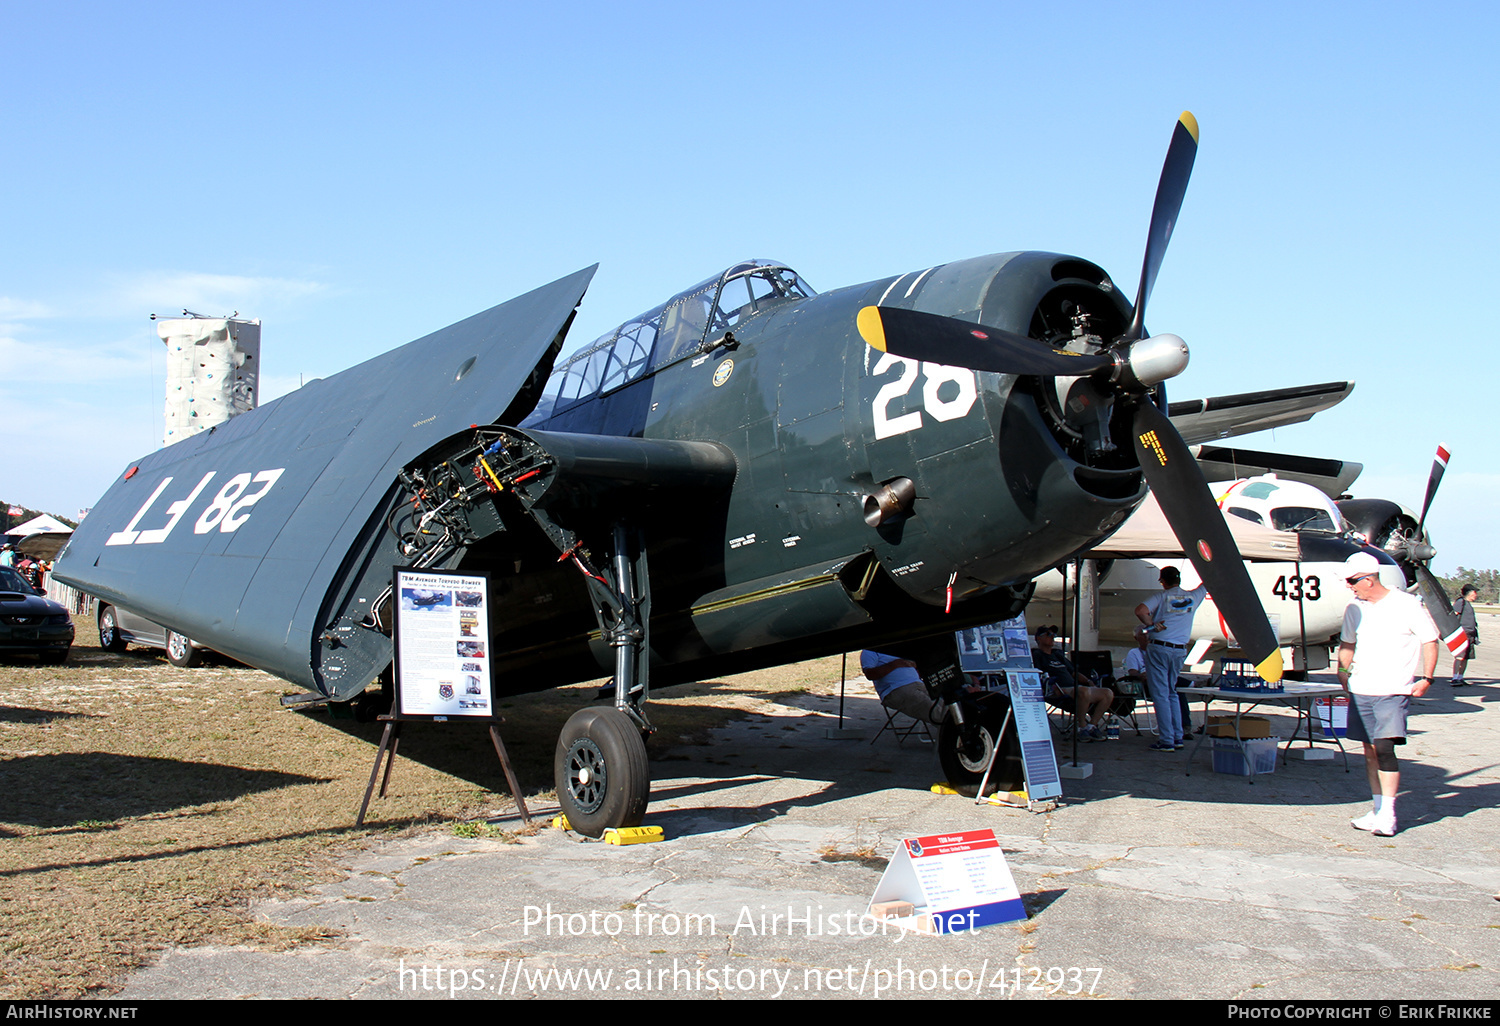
(586, 494)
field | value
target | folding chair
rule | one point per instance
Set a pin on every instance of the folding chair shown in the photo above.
(893, 718)
(1127, 692)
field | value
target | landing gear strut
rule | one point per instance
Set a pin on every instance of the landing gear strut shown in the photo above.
(600, 766)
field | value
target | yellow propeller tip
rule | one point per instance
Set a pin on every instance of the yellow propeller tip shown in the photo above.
(870, 327)
(1270, 667)
(1190, 123)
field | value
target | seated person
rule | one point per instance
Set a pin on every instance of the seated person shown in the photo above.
(900, 686)
(1135, 669)
(1064, 684)
(1135, 659)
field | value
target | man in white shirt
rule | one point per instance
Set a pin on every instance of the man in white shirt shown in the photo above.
(1387, 637)
(1169, 616)
(1135, 659)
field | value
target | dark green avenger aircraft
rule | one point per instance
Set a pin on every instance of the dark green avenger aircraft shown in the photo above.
(734, 479)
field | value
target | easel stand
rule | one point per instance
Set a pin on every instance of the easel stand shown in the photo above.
(980, 798)
(1028, 718)
(390, 740)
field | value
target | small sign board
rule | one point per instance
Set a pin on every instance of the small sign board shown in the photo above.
(995, 647)
(442, 635)
(954, 882)
(1333, 715)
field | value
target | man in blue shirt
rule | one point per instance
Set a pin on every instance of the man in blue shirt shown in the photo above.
(900, 686)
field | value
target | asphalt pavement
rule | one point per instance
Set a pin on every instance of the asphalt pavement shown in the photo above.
(1155, 877)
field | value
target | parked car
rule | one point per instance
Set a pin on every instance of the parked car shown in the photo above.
(119, 628)
(30, 622)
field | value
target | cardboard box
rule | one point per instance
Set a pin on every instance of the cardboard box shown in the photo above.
(1250, 726)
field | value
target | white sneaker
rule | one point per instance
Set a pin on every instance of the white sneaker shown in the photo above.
(1366, 822)
(1385, 826)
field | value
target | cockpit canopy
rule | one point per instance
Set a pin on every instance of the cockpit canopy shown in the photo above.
(675, 329)
(1282, 505)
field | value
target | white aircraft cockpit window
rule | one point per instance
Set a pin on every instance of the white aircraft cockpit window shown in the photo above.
(1246, 514)
(1303, 518)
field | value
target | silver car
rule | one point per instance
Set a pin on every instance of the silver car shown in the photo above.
(119, 627)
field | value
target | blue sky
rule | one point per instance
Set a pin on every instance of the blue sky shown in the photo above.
(359, 175)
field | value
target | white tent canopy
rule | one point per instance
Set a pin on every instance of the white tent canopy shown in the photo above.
(43, 524)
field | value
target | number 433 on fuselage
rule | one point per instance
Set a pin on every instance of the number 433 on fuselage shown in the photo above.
(749, 474)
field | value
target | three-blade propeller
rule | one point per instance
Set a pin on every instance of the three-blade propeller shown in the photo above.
(1128, 367)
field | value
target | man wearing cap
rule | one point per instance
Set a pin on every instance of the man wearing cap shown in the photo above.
(1387, 638)
(1464, 607)
(1169, 618)
(1065, 685)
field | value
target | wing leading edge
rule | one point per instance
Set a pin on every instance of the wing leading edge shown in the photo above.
(234, 536)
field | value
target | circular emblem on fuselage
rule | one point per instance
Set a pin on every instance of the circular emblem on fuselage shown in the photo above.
(722, 372)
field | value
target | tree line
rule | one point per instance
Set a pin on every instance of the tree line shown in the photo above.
(1487, 581)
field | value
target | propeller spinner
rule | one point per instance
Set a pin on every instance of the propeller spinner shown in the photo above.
(1125, 369)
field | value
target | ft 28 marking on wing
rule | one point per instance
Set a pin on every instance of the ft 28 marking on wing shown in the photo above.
(229, 509)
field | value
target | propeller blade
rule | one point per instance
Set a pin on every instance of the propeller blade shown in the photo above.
(1433, 480)
(1441, 610)
(1175, 172)
(955, 343)
(1199, 525)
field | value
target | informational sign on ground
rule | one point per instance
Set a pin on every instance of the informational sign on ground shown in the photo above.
(442, 645)
(953, 882)
(1029, 714)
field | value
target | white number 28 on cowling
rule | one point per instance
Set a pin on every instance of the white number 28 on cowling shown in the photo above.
(937, 408)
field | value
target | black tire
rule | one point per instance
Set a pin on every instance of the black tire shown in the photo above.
(600, 768)
(371, 705)
(963, 753)
(109, 630)
(180, 651)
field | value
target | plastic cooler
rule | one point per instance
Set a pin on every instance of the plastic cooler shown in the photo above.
(1231, 755)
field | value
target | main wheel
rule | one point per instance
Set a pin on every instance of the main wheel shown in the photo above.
(964, 751)
(180, 651)
(601, 772)
(109, 630)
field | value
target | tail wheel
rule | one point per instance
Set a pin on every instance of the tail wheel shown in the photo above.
(109, 630)
(180, 651)
(600, 768)
(964, 751)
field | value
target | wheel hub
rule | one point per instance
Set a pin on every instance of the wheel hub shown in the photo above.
(974, 752)
(586, 775)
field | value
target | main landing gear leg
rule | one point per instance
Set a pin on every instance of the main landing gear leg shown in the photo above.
(603, 779)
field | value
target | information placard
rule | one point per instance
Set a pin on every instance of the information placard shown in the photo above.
(995, 647)
(442, 645)
(955, 882)
(1029, 714)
